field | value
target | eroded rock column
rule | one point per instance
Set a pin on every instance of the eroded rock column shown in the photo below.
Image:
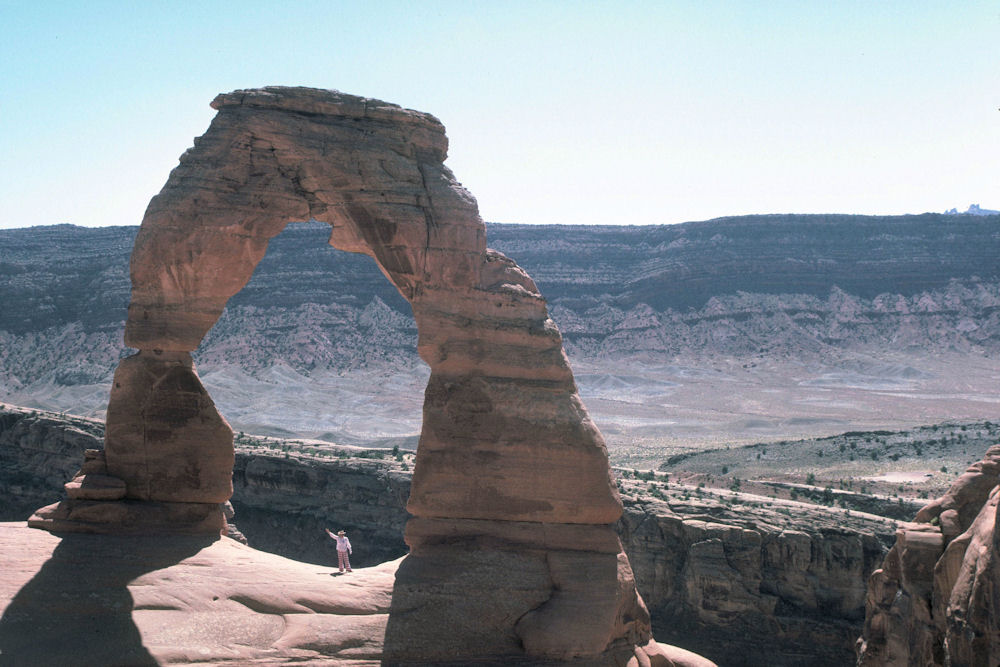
(936, 598)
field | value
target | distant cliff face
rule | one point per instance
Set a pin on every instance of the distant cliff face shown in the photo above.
(39, 452)
(756, 287)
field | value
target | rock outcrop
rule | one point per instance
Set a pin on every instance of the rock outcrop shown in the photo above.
(513, 555)
(39, 451)
(935, 599)
(750, 580)
(742, 579)
(199, 600)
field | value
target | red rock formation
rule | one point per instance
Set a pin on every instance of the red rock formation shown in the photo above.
(936, 599)
(513, 553)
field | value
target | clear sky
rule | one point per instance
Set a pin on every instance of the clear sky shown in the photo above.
(558, 112)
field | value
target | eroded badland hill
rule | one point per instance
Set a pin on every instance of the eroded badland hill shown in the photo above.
(688, 336)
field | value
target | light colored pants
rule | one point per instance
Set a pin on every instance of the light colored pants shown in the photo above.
(343, 561)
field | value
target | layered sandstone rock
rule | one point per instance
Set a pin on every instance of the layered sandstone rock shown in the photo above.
(752, 580)
(512, 549)
(745, 580)
(935, 599)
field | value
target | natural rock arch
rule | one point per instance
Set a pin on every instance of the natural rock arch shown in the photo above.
(512, 491)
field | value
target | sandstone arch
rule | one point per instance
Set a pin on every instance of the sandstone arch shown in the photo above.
(510, 470)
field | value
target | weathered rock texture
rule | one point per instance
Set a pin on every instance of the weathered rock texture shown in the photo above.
(936, 599)
(39, 451)
(743, 580)
(512, 549)
(749, 580)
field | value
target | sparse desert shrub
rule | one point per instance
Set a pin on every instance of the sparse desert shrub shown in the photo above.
(810, 479)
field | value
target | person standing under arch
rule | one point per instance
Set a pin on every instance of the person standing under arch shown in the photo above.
(343, 549)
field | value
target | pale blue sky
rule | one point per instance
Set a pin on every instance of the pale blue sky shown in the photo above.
(558, 112)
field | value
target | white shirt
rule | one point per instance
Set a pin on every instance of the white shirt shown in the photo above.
(343, 544)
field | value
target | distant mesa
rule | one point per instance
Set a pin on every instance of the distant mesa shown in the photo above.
(973, 209)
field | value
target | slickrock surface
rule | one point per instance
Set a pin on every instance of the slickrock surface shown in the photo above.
(109, 600)
(935, 599)
(98, 600)
(513, 555)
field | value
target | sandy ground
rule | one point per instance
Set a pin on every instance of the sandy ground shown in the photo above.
(647, 411)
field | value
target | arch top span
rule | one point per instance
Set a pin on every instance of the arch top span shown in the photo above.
(372, 170)
(500, 382)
